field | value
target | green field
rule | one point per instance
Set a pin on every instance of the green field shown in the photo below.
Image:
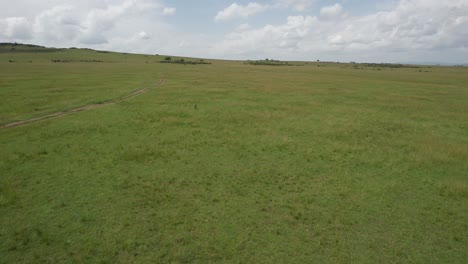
(310, 163)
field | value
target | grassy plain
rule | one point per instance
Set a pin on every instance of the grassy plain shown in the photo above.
(277, 164)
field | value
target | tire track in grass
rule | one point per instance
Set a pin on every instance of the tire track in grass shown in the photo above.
(83, 108)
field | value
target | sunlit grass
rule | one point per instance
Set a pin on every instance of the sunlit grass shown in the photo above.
(304, 164)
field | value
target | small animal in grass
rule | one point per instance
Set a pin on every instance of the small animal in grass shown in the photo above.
(195, 107)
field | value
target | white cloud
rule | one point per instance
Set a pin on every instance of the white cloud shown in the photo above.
(298, 5)
(413, 24)
(411, 28)
(167, 11)
(143, 35)
(268, 39)
(406, 30)
(331, 11)
(59, 24)
(70, 25)
(15, 28)
(100, 21)
(243, 27)
(182, 44)
(239, 11)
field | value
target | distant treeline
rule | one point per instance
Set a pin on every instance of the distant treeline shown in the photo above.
(52, 60)
(18, 47)
(270, 62)
(389, 65)
(183, 61)
(19, 44)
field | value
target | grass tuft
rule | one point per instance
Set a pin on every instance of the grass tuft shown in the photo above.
(454, 188)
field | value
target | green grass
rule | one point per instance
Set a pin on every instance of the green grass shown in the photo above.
(35, 86)
(307, 164)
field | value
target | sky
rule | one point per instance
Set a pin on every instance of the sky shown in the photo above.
(327, 30)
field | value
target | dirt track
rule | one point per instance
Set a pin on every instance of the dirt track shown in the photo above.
(83, 108)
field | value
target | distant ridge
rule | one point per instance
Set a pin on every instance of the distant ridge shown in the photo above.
(429, 63)
(24, 47)
(20, 44)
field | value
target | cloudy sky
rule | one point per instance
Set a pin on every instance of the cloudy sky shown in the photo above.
(338, 30)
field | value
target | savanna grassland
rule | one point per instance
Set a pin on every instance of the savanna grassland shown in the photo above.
(230, 162)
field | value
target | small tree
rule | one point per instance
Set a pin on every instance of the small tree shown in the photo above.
(168, 59)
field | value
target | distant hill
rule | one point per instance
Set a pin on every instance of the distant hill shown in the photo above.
(6, 47)
(434, 63)
(19, 47)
